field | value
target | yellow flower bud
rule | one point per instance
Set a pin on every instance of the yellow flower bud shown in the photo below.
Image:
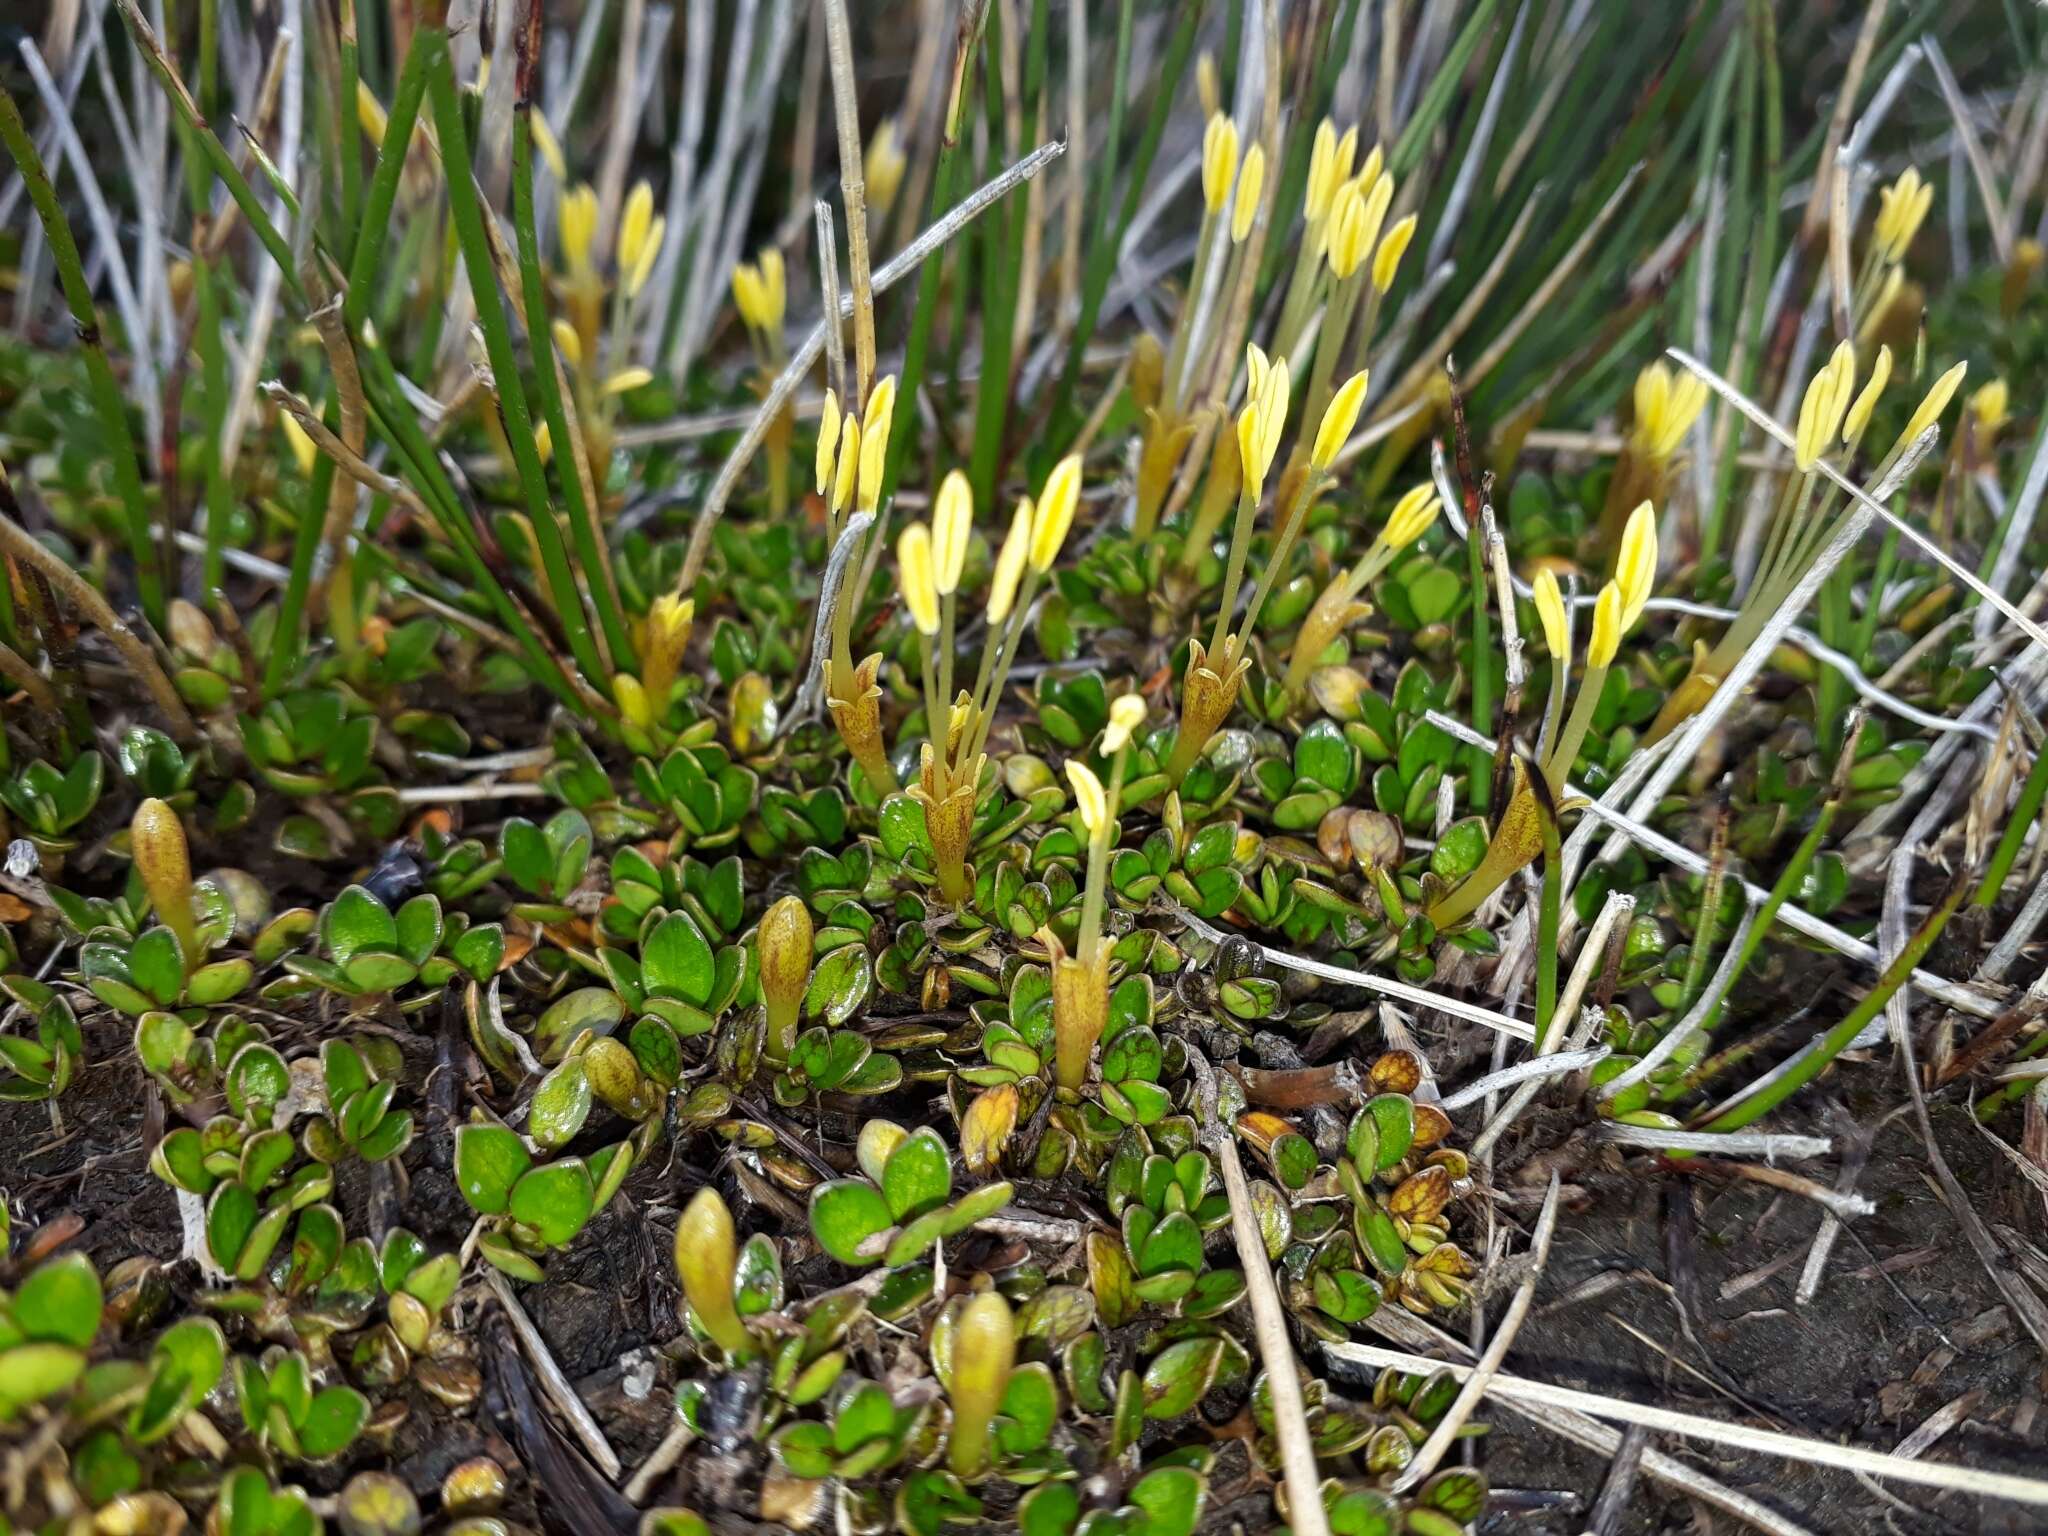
(576, 225)
(1825, 402)
(1411, 516)
(914, 570)
(1323, 175)
(1635, 567)
(370, 114)
(543, 443)
(156, 841)
(774, 289)
(1900, 208)
(636, 223)
(984, 1350)
(631, 698)
(1260, 423)
(882, 167)
(828, 441)
(952, 524)
(707, 1251)
(567, 342)
(669, 621)
(1219, 161)
(545, 141)
(1088, 796)
(747, 295)
(1357, 212)
(643, 267)
(1055, 514)
(1125, 716)
(1339, 417)
(1009, 571)
(1251, 185)
(1607, 627)
(304, 454)
(874, 441)
(1989, 405)
(784, 947)
(1934, 404)
(1375, 162)
(1208, 94)
(1550, 612)
(1388, 260)
(1858, 419)
(1666, 408)
(626, 380)
(848, 468)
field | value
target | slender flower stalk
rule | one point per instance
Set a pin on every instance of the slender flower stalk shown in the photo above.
(849, 474)
(1080, 981)
(1539, 788)
(1665, 409)
(1338, 607)
(760, 293)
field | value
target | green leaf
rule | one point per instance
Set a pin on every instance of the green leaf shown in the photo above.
(184, 1366)
(156, 963)
(555, 1200)
(230, 1218)
(560, 1106)
(844, 1214)
(419, 927)
(839, 985)
(359, 921)
(1179, 1377)
(216, 983)
(918, 1176)
(335, 1416)
(1171, 1498)
(676, 961)
(489, 1161)
(60, 1302)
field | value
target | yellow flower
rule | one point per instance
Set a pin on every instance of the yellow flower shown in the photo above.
(848, 470)
(543, 443)
(636, 223)
(1858, 419)
(914, 570)
(1339, 417)
(828, 440)
(668, 623)
(643, 269)
(882, 167)
(1666, 408)
(1635, 567)
(1820, 412)
(1088, 796)
(748, 297)
(1323, 175)
(1411, 516)
(577, 225)
(874, 441)
(1251, 185)
(1368, 173)
(1009, 571)
(952, 524)
(626, 380)
(1934, 404)
(1260, 423)
(1607, 627)
(759, 290)
(1219, 161)
(1207, 91)
(1055, 514)
(1550, 611)
(545, 141)
(1900, 208)
(567, 342)
(1388, 261)
(1125, 716)
(774, 288)
(304, 454)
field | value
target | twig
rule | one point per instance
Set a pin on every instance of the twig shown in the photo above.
(1535, 1068)
(660, 1461)
(552, 1381)
(1734, 1143)
(1418, 997)
(1497, 1347)
(1800, 1448)
(1276, 1350)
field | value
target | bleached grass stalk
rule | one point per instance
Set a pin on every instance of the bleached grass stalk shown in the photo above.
(853, 189)
(1769, 1144)
(1537, 1069)
(558, 1388)
(1386, 986)
(805, 357)
(1733, 958)
(1799, 1448)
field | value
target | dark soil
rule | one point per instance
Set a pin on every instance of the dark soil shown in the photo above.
(1905, 1323)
